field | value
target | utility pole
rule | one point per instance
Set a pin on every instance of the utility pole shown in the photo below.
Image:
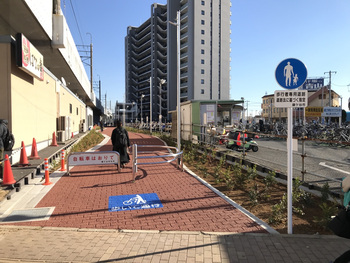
(247, 111)
(91, 69)
(330, 87)
(99, 89)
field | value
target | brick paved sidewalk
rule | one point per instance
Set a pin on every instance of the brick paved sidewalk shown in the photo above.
(81, 200)
(94, 245)
(196, 224)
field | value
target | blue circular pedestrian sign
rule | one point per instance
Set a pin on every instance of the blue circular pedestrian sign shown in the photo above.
(291, 73)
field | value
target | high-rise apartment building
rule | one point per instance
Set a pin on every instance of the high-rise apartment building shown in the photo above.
(145, 64)
(151, 54)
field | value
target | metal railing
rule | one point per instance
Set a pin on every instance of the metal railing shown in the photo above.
(178, 156)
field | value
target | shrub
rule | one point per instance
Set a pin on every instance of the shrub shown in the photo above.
(88, 141)
(240, 178)
(327, 212)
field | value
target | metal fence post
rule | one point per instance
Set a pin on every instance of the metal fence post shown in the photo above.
(303, 155)
(134, 161)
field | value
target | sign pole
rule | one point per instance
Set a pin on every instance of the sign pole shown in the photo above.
(290, 170)
(290, 74)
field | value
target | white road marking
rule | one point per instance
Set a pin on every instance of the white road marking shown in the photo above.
(330, 167)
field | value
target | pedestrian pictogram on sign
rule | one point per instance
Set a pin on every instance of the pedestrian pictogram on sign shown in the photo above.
(291, 73)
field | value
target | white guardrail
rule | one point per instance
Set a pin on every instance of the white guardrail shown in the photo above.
(169, 154)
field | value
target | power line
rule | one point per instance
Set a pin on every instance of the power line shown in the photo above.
(340, 85)
(76, 21)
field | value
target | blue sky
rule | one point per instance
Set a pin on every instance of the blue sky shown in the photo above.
(263, 33)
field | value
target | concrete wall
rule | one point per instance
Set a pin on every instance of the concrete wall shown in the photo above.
(69, 105)
(5, 72)
(42, 10)
(33, 107)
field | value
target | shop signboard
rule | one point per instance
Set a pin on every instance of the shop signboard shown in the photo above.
(29, 59)
(313, 111)
(332, 112)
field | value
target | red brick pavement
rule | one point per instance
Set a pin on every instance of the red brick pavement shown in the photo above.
(81, 200)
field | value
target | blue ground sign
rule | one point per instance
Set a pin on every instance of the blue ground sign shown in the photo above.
(291, 73)
(133, 202)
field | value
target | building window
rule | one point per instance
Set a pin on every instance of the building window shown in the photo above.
(202, 71)
(202, 51)
(202, 31)
(202, 91)
(202, 42)
(202, 81)
(203, 13)
(70, 108)
(202, 61)
(203, 2)
(202, 22)
(77, 111)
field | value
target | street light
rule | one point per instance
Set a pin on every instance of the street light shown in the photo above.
(132, 111)
(177, 24)
(150, 104)
(242, 98)
(142, 96)
(161, 82)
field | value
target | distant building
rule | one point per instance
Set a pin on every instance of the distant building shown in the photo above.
(146, 64)
(313, 84)
(316, 98)
(151, 56)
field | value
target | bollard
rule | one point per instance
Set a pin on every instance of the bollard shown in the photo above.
(62, 161)
(47, 175)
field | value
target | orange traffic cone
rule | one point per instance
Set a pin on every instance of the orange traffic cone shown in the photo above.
(23, 161)
(34, 154)
(54, 142)
(8, 175)
(47, 174)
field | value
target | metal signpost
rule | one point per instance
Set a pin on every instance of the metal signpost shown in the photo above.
(290, 74)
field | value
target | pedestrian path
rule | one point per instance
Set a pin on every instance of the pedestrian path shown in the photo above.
(81, 200)
(70, 221)
(96, 245)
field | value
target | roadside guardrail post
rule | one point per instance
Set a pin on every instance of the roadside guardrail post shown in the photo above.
(134, 161)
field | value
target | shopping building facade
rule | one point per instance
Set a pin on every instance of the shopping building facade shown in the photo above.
(44, 88)
(151, 56)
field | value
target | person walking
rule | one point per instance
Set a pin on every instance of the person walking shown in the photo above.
(3, 137)
(121, 142)
(345, 185)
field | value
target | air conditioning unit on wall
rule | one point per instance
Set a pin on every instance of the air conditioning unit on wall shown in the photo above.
(61, 123)
(61, 136)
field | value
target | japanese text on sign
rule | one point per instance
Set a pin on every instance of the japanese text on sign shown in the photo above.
(313, 111)
(332, 112)
(93, 158)
(293, 99)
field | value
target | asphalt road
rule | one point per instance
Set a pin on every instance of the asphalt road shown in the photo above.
(323, 163)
